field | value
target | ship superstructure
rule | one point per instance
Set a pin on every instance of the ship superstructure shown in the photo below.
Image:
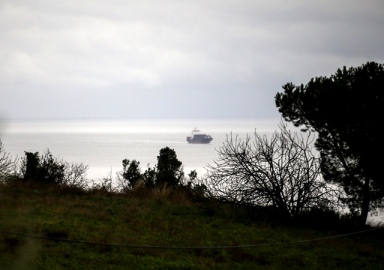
(199, 138)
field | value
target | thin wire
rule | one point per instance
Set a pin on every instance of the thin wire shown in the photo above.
(192, 247)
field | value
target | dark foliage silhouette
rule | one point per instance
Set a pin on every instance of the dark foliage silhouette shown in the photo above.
(48, 170)
(345, 111)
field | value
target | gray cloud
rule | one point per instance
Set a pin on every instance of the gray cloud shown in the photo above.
(174, 59)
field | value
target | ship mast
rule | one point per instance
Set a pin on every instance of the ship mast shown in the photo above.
(195, 131)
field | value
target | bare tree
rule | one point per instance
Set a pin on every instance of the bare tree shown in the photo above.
(281, 172)
(75, 175)
(7, 165)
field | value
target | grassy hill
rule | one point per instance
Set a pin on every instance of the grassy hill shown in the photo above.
(165, 219)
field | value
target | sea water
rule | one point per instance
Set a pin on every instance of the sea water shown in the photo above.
(103, 144)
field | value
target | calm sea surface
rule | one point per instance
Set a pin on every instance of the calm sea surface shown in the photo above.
(103, 144)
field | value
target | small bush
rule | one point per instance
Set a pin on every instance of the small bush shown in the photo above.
(7, 165)
(168, 172)
(130, 175)
(46, 170)
(104, 187)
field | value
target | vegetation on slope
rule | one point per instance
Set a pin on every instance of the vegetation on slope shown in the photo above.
(166, 218)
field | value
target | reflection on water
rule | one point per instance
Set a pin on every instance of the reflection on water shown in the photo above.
(142, 126)
(103, 144)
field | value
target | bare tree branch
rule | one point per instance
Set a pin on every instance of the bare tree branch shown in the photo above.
(7, 165)
(281, 171)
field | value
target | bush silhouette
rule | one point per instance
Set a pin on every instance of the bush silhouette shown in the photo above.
(48, 170)
(169, 169)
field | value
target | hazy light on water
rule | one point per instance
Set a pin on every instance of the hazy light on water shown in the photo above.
(142, 126)
(102, 144)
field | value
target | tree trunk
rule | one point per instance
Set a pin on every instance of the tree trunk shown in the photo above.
(365, 204)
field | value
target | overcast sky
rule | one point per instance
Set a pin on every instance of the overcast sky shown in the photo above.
(174, 58)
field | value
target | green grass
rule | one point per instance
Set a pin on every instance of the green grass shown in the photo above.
(163, 220)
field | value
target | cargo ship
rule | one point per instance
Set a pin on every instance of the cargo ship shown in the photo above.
(197, 137)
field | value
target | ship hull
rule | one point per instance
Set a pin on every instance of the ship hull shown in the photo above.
(199, 139)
